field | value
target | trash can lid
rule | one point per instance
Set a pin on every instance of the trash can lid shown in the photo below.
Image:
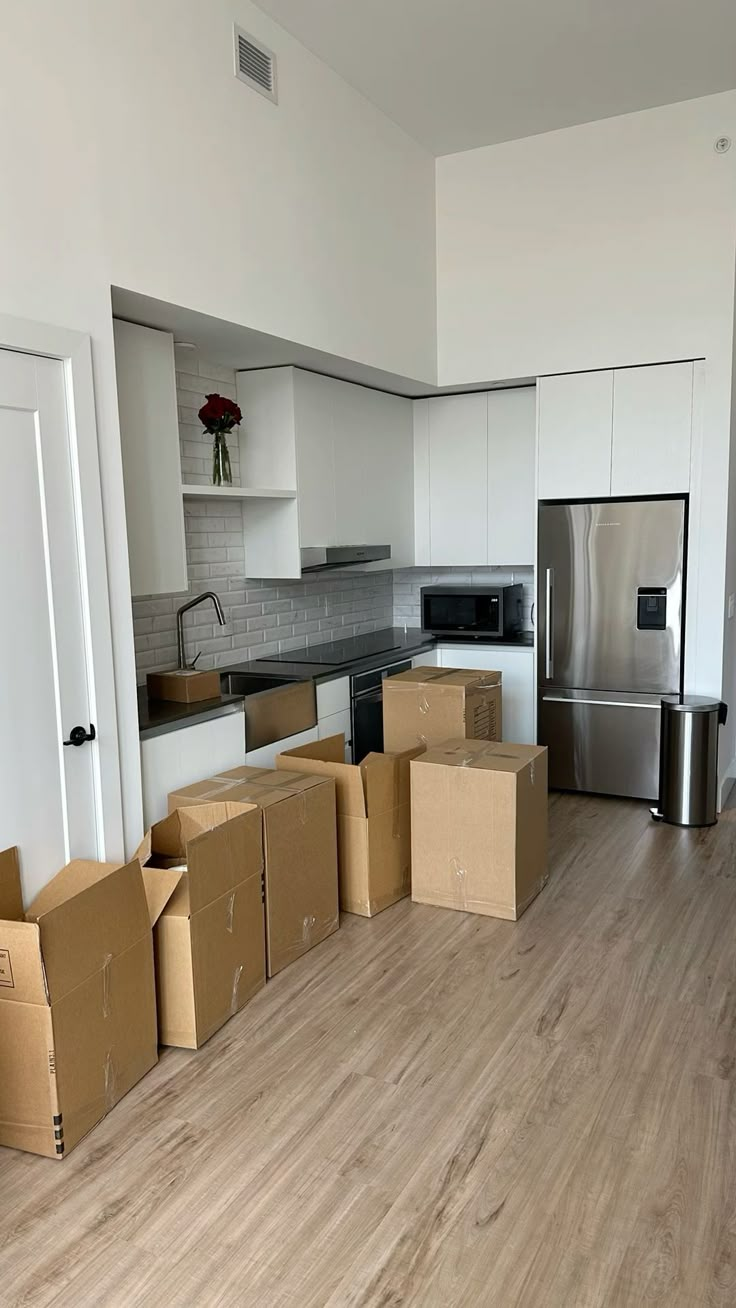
(691, 704)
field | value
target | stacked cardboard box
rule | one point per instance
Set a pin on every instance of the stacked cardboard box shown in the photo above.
(300, 852)
(209, 937)
(373, 820)
(77, 1001)
(479, 826)
(426, 706)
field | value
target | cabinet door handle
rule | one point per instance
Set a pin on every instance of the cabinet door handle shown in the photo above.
(550, 626)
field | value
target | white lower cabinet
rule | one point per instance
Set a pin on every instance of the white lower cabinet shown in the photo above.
(518, 697)
(265, 757)
(429, 659)
(179, 758)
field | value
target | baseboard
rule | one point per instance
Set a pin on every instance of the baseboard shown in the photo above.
(728, 780)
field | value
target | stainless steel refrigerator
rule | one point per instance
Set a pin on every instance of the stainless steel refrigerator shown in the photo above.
(610, 605)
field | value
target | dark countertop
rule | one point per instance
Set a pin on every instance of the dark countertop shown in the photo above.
(158, 716)
(404, 644)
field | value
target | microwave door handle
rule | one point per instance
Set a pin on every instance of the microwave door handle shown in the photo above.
(550, 626)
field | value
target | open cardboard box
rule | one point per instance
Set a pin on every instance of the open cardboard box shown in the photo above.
(373, 820)
(77, 1001)
(209, 933)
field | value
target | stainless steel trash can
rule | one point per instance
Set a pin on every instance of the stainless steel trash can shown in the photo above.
(688, 760)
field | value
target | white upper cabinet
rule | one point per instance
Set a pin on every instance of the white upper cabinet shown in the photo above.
(315, 459)
(652, 429)
(512, 419)
(458, 479)
(149, 435)
(374, 473)
(474, 470)
(575, 436)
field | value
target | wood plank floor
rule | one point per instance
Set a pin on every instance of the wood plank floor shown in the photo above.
(436, 1109)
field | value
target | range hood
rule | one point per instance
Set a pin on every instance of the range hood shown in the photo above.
(317, 558)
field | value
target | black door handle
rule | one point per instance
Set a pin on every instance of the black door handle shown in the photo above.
(78, 735)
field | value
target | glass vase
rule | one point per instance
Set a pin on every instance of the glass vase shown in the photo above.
(221, 470)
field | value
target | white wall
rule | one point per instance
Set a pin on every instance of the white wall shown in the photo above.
(132, 156)
(602, 245)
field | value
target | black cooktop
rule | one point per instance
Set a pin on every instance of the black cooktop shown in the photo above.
(337, 652)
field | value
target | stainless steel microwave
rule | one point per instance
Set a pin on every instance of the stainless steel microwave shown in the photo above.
(472, 612)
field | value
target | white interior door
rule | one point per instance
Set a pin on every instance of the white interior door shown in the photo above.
(49, 791)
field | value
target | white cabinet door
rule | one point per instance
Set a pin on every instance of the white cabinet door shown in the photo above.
(179, 758)
(314, 422)
(374, 470)
(149, 435)
(266, 756)
(517, 684)
(512, 421)
(333, 696)
(652, 426)
(575, 436)
(458, 462)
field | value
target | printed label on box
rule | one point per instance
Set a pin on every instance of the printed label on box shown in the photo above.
(6, 969)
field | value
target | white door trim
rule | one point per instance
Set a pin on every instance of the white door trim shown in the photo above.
(74, 349)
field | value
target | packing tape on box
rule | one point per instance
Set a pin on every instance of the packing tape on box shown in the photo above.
(230, 913)
(303, 813)
(236, 984)
(110, 1082)
(396, 819)
(460, 875)
(308, 926)
(106, 985)
(531, 770)
(424, 704)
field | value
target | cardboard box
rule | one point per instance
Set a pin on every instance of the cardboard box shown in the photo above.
(426, 706)
(479, 826)
(300, 852)
(184, 685)
(373, 821)
(77, 1001)
(209, 936)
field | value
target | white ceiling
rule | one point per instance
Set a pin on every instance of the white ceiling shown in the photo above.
(456, 74)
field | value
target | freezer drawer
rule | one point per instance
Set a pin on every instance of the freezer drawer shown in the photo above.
(603, 743)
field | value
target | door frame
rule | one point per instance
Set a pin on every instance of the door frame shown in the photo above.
(74, 350)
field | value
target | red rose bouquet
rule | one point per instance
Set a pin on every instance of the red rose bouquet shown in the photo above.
(218, 417)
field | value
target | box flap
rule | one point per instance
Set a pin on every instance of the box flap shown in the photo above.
(326, 758)
(11, 898)
(386, 780)
(221, 844)
(89, 914)
(21, 963)
(160, 884)
(491, 755)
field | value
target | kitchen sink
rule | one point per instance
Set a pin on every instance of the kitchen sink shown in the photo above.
(275, 707)
(250, 683)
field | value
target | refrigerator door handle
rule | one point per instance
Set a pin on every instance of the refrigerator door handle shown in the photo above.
(601, 703)
(549, 666)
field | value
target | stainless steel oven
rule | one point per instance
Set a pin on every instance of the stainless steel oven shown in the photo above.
(366, 708)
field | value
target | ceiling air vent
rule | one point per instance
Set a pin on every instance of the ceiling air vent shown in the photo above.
(255, 64)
